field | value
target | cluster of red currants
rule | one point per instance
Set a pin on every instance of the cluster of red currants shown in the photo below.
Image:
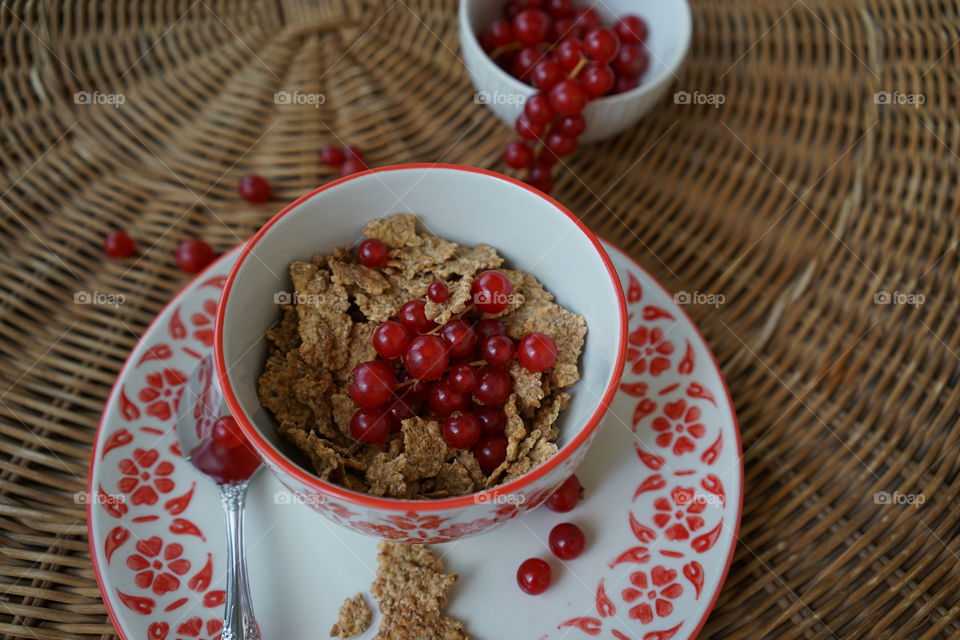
(566, 540)
(458, 370)
(566, 53)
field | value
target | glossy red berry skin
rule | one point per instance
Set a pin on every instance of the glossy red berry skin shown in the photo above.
(597, 79)
(493, 386)
(632, 61)
(537, 109)
(493, 419)
(631, 29)
(537, 352)
(527, 58)
(462, 431)
(438, 292)
(568, 53)
(491, 291)
(530, 26)
(490, 327)
(459, 337)
(568, 98)
(462, 377)
(540, 177)
(118, 244)
(624, 84)
(193, 255)
(372, 383)
(226, 432)
(353, 151)
(332, 156)
(601, 45)
(497, 350)
(587, 17)
(414, 318)
(533, 576)
(406, 402)
(444, 400)
(254, 189)
(567, 541)
(527, 129)
(546, 74)
(571, 126)
(567, 495)
(490, 452)
(371, 424)
(391, 339)
(517, 155)
(561, 145)
(351, 166)
(501, 33)
(426, 358)
(373, 253)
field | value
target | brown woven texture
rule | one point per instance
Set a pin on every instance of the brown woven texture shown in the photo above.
(797, 200)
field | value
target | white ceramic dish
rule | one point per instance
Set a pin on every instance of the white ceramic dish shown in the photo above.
(671, 27)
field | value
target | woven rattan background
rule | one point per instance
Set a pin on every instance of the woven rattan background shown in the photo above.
(798, 200)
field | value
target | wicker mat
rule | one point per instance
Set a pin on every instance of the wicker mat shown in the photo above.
(799, 200)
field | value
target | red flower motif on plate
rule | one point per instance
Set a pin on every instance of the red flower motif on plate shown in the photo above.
(682, 509)
(162, 393)
(142, 480)
(658, 590)
(682, 420)
(648, 351)
(203, 320)
(158, 567)
(195, 629)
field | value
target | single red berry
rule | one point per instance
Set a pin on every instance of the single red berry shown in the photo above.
(537, 352)
(490, 452)
(527, 129)
(254, 189)
(587, 17)
(490, 327)
(193, 255)
(601, 44)
(517, 155)
(462, 377)
(631, 61)
(561, 145)
(497, 350)
(540, 177)
(568, 98)
(624, 84)
(353, 151)
(371, 424)
(537, 109)
(501, 33)
(444, 400)
(373, 253)
(566, 496)
(461, 431)
(491, 291)
(226, 432)
(567, 541)
(571, 126)
(560, 8)
(332, 156)
(372, 383)
(597, 79)
(351, 166)
(391, 339)
(631, 29)
(563, 28)
(459, 337)
(426, 358)
(493, 386)
(414, 318)
(406, 402)
(569, 53)
(493, 419)
(118, 244)
(533, 576)
(546, 74)
(530, 26)
(438, 292)
(527, 58)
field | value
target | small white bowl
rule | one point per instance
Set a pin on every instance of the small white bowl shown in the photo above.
(670, 25)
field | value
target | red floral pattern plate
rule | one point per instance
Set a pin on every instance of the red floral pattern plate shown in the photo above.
(663, 481)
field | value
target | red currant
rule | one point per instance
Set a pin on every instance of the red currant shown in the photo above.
(119, 245)
(601, 45)
(406, 403)
(353, 151)
(571, 126)
(540, 177)
(561, 145)
(414, 318)
(497, 350)
(391, 339)
(462, 377)
(490, 327)
(560, 8)
(501, 34)
(459, 337)
(426, 358)
(372, 383)
(533, 576)
(462, 431)
(537, 352)
(438, 292)
(566, 496)
(546, 74)
(493, 386)
(371, 424)
(624, 84)
(444, 400)
(568, 98)
(567, 541)
(569, 53)
(226, 432)
(631, 29)
(597, 79)
(491, 291)
(510, 10)
(527, 58)
(490, 452)
(527, 129)
(193, 255)
(563, 28)
(351, 165)
(254, 189)
(373, 253)
(587, 17)
(517, 155)
(537, 109)
(631, 61)
(545, 160)
(331, 156)
(530, 26)
(493, 419)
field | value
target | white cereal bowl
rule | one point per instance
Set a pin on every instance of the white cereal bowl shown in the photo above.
(532, 231)
(671, 27)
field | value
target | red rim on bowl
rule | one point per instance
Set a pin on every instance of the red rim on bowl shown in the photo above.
(278, 459)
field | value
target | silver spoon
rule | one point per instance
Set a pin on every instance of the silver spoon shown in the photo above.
(201, 404)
